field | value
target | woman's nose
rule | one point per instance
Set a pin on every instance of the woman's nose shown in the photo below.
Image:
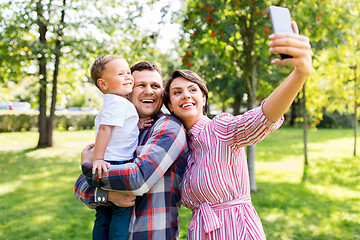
(185, 95)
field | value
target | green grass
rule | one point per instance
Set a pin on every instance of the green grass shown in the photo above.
(36, 187)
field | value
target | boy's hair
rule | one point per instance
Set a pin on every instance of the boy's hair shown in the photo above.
(145, 65)
(98, 66)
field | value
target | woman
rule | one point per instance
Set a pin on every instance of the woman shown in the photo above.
(216, 183)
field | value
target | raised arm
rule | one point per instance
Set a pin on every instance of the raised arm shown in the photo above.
(299, 47)
(166, 143)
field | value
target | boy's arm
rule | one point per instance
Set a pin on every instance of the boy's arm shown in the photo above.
(161, 150)
(101, 142)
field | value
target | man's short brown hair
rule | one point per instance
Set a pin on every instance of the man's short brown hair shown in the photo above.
(145, 65)
(98, 66)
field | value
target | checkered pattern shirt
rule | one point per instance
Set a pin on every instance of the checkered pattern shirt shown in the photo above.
(155, 176)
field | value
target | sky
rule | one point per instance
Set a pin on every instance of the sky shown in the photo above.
(168, 31)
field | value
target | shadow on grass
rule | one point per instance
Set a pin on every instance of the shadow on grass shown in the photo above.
(292, 211)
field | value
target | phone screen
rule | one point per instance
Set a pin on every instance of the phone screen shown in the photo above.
(281, 19)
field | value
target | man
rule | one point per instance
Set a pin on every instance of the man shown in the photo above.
(157, 171)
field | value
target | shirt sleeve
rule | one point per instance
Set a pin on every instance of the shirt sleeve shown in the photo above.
(243, 130)
(84, 192)
(161, 150)
(113, 110)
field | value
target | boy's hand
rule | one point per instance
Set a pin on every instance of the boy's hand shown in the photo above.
(100, 166)
(145, 123)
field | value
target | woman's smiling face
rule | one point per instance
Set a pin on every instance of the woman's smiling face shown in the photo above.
(186, 101)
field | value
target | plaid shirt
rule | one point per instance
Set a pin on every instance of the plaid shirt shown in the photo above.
(155, 176)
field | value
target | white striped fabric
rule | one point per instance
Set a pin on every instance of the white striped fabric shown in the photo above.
(216, 182)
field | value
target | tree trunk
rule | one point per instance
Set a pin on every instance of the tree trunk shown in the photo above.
(251, 150)
(292, 114)
(355, 110)
(42, 77)
(237, 104)
(58, 45)
(305, 131)
(249, 80)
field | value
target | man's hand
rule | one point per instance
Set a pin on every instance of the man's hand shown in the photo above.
(121, 199)
(144, 123)
(87, 153)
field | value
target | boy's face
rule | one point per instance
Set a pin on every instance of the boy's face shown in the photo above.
(147, 93)
(116, 78)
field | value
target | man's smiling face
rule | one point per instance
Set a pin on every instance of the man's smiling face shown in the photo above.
(147, 92)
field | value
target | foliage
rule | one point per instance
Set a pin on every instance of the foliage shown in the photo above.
(85, 95)
(24, 91)
(336, 120)
(64, 120)
(225, 41)
(333, 30)
(326, 206)
(61, 38)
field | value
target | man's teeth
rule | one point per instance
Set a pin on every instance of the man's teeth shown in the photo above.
(148, 101)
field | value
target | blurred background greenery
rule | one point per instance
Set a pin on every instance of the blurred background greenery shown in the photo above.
(47, 47)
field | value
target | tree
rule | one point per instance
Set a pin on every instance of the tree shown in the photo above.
(226, 42)
(40, 34)
(332, 27)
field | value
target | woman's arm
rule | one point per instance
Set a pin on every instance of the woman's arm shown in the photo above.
(299, 47)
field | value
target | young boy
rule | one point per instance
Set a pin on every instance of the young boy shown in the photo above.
(116, 129)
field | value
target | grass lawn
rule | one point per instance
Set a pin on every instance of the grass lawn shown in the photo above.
(36, 187)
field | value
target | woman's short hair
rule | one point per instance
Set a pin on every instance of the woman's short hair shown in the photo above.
(190, 76)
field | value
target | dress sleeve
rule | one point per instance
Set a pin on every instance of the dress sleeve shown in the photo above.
(161, 150)
(243, 130)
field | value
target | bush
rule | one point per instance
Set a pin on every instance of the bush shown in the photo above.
(336, 120)
(64, 120)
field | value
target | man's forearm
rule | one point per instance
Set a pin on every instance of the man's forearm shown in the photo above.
(85, 193)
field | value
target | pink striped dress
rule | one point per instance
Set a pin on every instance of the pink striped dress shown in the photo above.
(216, 182)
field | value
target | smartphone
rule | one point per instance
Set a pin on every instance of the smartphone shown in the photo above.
(281, 22)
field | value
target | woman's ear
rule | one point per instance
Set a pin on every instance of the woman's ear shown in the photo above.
(170, 107)
(204, 100)
(102, 84)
